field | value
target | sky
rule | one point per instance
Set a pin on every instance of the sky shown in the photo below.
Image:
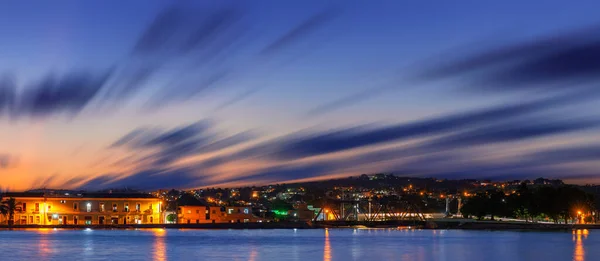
(149, 94)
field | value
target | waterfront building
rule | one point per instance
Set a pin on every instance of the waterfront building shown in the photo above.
(195, 214)
(301, 212)
(47, 208)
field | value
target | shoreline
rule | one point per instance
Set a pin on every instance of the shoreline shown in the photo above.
(401, 224)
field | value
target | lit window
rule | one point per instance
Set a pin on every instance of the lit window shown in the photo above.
(101, 207)
(246, 211)
(63, 201)
(126, 207)
(189, 212)
(114, 207)
(230, 211)
(89, 209)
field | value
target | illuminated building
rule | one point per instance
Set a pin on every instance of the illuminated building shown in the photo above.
(192, 214)
(85, 208)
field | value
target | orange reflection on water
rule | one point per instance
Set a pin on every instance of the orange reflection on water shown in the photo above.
(327, 249)
(578, 236)
(253, 254)
(44, 243)
(160, 249)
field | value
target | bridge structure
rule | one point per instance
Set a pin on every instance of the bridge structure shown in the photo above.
(389, 208)
(403, 207)
(448, 199)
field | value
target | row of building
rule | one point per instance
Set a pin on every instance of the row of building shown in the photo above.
(48, 208)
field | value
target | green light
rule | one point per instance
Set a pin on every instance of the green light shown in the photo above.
(280, 212)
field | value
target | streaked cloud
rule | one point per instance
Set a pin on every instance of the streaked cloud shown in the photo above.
(183, 53)
(557, 62)
(8, 161)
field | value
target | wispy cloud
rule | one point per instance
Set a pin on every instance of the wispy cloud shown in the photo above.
(340, 140)
(560, 58)
(301, 31)
(66, 94)
(558, 62)
(184, 53)
(166, 147)
(8, 161)
(284, 158)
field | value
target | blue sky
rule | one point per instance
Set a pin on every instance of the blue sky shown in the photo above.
(239, 93)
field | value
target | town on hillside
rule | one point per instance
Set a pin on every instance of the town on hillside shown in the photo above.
(378, 197)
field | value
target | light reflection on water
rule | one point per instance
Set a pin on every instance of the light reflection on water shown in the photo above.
(327, 248)
(578, 236)
(160, 250)
(287, 244)
(44, 243)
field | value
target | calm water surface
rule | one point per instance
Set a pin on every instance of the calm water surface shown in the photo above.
(288, 244)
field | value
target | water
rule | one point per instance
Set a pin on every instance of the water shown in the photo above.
(288, 244)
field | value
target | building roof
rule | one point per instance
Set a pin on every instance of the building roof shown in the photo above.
(22, 194)
(116, 195)
(77, 195)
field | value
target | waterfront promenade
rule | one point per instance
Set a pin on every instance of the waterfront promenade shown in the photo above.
(403, 224)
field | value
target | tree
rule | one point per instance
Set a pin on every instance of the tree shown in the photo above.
(496, 205)
(520, 204)
(476, 206)
(281, 205)
(562, 202)
(172, 218)
(546, 200)
(7, 208)
(573, 201)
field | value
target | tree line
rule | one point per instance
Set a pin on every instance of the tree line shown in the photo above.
(551, 203)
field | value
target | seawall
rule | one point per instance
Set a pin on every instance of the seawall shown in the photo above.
(416, 224)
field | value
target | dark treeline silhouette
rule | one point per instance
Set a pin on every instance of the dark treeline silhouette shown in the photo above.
(555, 203)
(7, 209)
